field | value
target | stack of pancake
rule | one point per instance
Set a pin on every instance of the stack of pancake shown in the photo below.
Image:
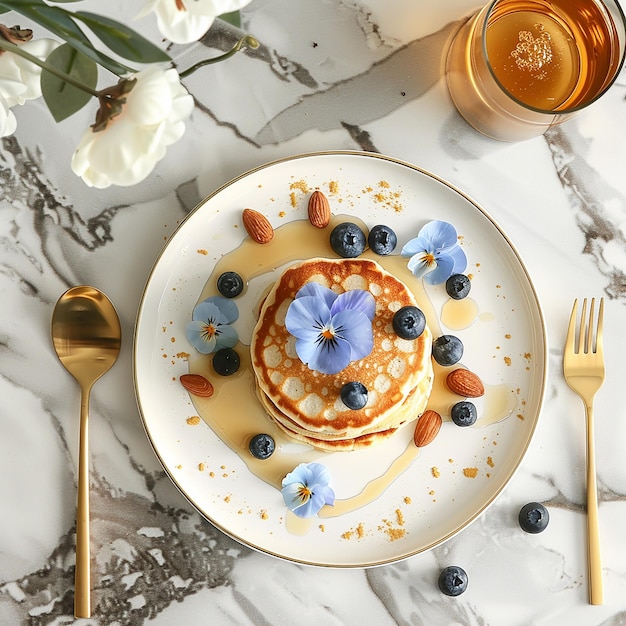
(305, 403)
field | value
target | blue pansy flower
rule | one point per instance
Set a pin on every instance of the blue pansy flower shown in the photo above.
(306, 489)
(331, 329)
(210, 328)
(435, 253)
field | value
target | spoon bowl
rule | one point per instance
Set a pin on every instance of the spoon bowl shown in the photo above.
(86, 335)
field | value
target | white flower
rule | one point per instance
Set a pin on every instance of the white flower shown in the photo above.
(126, 151)
(8, 123)
(20, 80)
(184, 21)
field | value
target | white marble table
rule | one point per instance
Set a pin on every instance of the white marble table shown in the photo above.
(330, 74)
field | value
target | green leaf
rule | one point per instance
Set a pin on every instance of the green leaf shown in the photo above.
(233, 18)
(62, 98)
(122, 40)
(60, 23)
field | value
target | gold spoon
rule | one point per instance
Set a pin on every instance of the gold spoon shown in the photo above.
(86, 335)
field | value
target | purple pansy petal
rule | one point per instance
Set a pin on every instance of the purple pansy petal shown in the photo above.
(217, 313)
(227, 337)
(355, 300)
(459, 258)
(356, 329)
(194, 333)
(326, 357)
(415, 246)
(421, 263)
(318, 291)
(306, 317)
(222, 310)
(441, 234)
(442, 272)
(306, 489)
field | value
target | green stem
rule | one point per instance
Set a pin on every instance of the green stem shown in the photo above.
(11, 47)
(248, 40)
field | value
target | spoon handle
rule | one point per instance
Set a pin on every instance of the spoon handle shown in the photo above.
(82, 582)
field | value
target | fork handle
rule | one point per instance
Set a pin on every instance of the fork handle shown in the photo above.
(596, 591)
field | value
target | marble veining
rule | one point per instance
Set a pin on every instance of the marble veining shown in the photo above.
(330, 74)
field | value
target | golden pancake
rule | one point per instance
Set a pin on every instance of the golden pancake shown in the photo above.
(306, 403)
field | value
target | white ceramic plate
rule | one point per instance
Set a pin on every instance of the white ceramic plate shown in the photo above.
(454, 479)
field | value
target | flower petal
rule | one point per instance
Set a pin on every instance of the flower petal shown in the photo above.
(415, 246)
(441, 234)
(196, 336)
(318, 291)
(355, 300)
(226, 337)
(227, 310)
(327, 357)
(306, 317)
(441, 272)
(421, 264)
(355, 328)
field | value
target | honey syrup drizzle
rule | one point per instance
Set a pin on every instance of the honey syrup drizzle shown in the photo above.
(234, 411)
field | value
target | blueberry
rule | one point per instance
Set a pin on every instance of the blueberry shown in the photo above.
(230, 284)
(226, 362)
(447, 350)
(347, 240)
(534, 517)
(452, 580)
(382, 240)
(458, 286)
(354, 395)
(262, 446)
(409, 322)
(464, 413)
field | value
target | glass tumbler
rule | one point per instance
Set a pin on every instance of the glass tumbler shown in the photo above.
(517, 67)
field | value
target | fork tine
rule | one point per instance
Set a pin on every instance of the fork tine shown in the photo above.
(590, 345)
(599, 340)
(582, 334)
(571, 329)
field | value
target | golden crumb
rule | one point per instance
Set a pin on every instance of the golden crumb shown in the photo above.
(507, 336)
(520, 417)
(227, 498)
(407, 500)
(322, 528)
(431, 492)
(282, 214)
(507, 361)
(300, 185)
(201, 467)
(490, 462)
(292, 199)
(182, 355)
(202, 251)
(173, 339)
(264, 514)
(333, 187)
(212, 474)
(193, 420)
(435, 472)
(470, 472)
(400, 517)
(358, 532)
(179, 467)
(527, 356)
(384, 184)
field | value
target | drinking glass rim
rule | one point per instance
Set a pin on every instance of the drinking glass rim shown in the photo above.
(489, 10)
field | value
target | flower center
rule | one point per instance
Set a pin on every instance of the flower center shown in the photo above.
(429, 258)
(304, 493)
(328, 333)
(210, 330)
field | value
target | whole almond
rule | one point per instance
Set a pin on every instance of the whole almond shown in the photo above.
(319, 210)
(465, 383)
(197, 385)
(257, 226)
(427, 427)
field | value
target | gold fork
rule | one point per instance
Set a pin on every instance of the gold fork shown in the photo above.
(583, 368)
